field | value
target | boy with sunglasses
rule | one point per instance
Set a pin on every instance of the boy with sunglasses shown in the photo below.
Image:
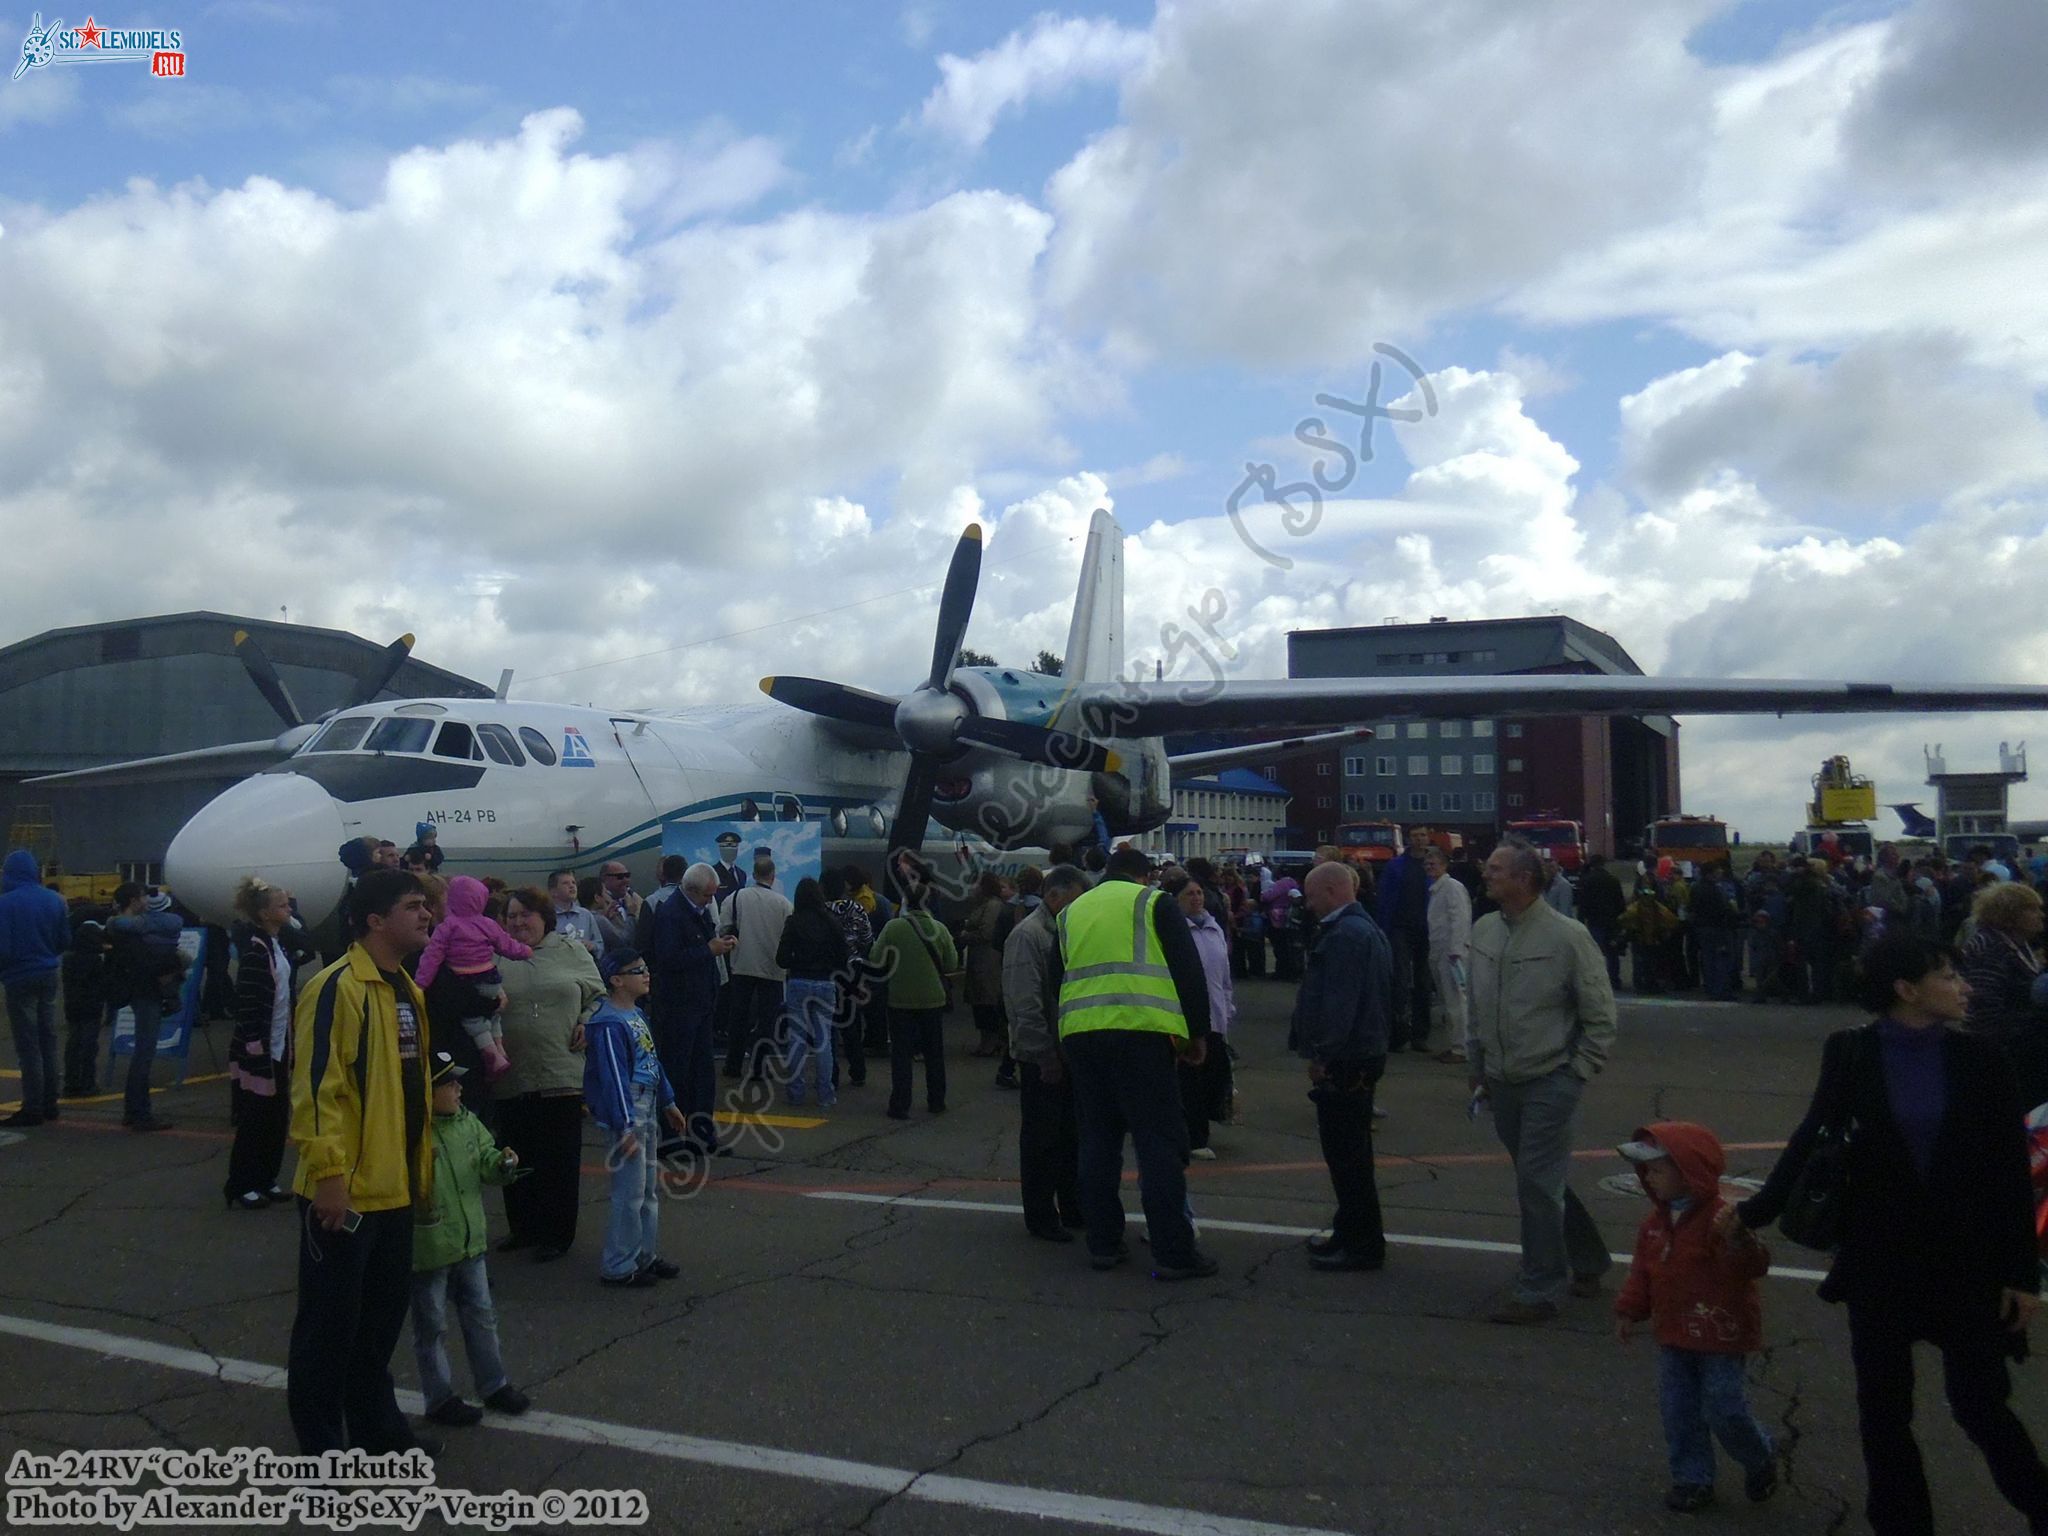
(626, 1090)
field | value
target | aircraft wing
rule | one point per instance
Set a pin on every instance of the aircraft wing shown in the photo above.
(1159, 708)
(1262, 751)
(237, 759)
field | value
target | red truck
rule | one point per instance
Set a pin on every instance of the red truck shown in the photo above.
(1564, 841)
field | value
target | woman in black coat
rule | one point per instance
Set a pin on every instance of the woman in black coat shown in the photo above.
(1938, 1240)
(259, 1049)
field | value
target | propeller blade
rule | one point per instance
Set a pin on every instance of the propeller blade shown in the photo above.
(1035, 744)
(265, 677)
(914, 810)
(835, 701)
(956, 605)
(376, 677)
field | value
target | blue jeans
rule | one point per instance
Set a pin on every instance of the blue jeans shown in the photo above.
(32, 1013)
(149, 1021)
(1720, 964)
(808, 1007)
(1698, 1393)
(629, 1237)
(469, 1288)
(1559, 1239)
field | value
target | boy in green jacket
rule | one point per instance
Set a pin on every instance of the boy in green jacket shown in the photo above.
(448, 1258)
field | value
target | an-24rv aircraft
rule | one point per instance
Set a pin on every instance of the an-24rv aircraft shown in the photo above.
(999, 758)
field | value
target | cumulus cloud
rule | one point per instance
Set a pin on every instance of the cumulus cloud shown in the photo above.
(1055, 54)
(1889, 424)
(505, 361)
(1959, 82)
(1290, 182)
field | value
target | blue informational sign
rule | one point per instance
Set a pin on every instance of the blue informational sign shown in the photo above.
(798, 847)
(174, 1033)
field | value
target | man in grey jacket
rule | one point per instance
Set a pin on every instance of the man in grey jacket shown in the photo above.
(1342, 1017)
(1541, 1023)
(1048, 1137)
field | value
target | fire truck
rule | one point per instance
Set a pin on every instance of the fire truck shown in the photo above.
(1564, 841)
(1369, 842)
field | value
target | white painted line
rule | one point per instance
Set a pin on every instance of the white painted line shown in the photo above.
(928, 1488)
(1260, 1228)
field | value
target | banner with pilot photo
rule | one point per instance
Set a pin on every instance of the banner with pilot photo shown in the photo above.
(798, 847)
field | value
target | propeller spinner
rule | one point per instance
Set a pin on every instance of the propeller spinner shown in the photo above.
(934, 721)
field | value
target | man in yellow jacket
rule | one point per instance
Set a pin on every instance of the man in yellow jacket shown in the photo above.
(360, 1100)
(1133, 1001)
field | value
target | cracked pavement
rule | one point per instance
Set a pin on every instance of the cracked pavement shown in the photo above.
(947, 1344)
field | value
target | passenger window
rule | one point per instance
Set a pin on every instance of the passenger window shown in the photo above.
(458, 741)
(400, 734)
(342, 735)
(788, 808)
(499, 744)
(542, 749)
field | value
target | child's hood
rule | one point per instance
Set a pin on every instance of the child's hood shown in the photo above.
(466, 896)
(1694, 1150)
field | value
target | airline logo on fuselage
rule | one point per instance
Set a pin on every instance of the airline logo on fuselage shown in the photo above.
(575, 750)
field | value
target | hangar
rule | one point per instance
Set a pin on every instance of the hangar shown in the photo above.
(108, 693)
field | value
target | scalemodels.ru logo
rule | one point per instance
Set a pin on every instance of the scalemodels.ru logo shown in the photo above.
(161, 48)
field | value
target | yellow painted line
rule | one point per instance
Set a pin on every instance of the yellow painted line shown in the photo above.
(115, 1098)
(781, 1122)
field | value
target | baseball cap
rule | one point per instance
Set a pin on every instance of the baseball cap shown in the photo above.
(445, 1069)
(615, 962)
(1642, 1151)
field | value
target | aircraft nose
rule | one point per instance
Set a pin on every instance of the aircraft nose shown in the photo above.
(279, 826)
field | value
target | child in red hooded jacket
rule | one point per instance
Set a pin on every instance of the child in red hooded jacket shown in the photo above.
(1700, 1290)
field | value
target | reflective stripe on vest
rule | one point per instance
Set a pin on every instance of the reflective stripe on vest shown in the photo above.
(1115, 977)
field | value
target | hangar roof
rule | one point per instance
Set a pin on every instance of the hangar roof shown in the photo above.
(96, 693)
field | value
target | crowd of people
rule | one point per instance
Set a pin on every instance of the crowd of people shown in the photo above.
(469, 1029)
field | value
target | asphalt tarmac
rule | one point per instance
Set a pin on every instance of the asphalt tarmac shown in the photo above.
(864, 1339)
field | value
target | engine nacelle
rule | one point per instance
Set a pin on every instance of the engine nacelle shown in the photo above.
(1017, 805)
(1013, 804)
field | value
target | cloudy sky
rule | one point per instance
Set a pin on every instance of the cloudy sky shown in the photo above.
(645, 352)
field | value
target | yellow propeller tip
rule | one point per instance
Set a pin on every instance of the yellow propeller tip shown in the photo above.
(973, 532)
(1115, 763)
(406, 641)
(241, 637)
(768, 685)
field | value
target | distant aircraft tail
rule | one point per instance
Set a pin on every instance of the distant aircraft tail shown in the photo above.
(1095, 642)
(1915, 821)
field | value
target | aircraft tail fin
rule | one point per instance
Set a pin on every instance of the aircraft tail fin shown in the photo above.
(1916, 822)
(1095, 642)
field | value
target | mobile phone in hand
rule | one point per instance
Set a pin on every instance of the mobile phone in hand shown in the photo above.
(350, 1220)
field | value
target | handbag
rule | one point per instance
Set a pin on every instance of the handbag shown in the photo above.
(1816, 1208)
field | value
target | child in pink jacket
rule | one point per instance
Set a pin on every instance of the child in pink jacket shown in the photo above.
(468, 943)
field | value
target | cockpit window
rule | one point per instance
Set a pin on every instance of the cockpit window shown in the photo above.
(398, 734)
(342, 735)
(456, 740)
(499, 744)
(542, 749)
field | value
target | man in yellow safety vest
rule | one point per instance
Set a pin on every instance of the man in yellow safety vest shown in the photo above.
(1133, 1002)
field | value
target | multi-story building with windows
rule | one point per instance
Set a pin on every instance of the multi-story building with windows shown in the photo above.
(1613, 774)
(1223, 814)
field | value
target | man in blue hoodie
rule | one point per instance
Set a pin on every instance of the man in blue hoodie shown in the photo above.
(35, 931)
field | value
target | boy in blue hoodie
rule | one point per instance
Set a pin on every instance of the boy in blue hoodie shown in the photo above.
(35, 930)
(626, 1089)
